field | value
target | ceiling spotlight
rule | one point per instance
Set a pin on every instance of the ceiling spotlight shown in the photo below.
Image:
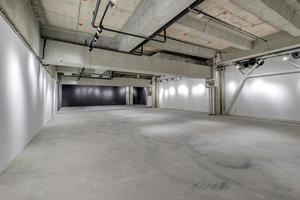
(261, 63)
(99, 30)
(285, 58)
(296, 55)
(113, 3)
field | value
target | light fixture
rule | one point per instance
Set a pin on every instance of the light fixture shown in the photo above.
(238, 66)
(99, 30)
(296, 55)
(113, 3)
(285, 58)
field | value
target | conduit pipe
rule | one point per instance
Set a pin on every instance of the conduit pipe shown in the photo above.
(197, 11)
(172, 21)
(95, 13)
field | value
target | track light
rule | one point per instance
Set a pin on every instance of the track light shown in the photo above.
(99, 30)
(261, 63)
(113, 3)
(296, 55)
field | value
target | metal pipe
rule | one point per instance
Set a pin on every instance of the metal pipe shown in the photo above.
(190, 43)
(95, 13)
(103, 16)
(172, 21)
(131, 34)
(197, 11)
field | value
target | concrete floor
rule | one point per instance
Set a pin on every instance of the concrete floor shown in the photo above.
(123, 153)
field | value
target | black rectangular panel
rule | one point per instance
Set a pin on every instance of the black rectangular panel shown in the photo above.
(139, 96)
(78, 95)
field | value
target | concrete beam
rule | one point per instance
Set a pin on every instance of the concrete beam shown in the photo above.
(65, 54)
(213, 30)
(77, 37)
(274, 12)
(178, 58)
(118, 82)
(149, 17)
(276, 42)
(175, 46)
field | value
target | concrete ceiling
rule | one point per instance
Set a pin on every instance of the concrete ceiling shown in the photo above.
(226, 11)
(76, 15)
(70, 20)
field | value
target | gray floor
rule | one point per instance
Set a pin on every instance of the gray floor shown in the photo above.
(123, 153)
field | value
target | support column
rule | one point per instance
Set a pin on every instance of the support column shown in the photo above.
(154, 92)
(129, 95)
(216, 98)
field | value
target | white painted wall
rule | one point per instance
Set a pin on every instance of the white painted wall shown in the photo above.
(27, 95)
(275, 97)
(185, 94)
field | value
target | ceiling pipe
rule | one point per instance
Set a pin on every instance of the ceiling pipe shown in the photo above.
(101, 27)
(197, 11)
(95, 13)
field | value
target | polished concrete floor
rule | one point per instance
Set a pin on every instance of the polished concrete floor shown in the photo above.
(127, 153)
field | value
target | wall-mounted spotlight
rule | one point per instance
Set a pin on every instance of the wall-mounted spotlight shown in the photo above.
(261, 63)
(113, 3)
(296, 55)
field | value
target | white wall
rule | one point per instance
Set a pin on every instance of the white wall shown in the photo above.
(275, 97)
(27, 95)
(185, 94)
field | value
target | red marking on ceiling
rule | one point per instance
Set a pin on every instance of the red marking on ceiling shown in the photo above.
(80, 23)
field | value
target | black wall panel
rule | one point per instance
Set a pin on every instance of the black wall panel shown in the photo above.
(139, 96)
(77, 95)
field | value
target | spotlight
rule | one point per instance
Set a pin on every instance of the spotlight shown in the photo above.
(252, 61)
(113, 3)
(261, 63)
(238, 66)
(99, 30)
(296, 55)
(285, 58)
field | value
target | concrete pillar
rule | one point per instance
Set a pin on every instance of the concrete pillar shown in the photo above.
(154, 92)
(129, 95)
(216, 98)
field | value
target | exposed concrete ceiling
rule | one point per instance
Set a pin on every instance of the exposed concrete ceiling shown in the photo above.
(226, 11)
(70, 20)
(279, 14)
(76, 15)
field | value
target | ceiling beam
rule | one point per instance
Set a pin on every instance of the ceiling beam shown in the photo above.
(118, 82)
(65, 54)
(77, 37)
(149, 17)
(183, 48)
(274, 12)
(215, 31)
(276, 42)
